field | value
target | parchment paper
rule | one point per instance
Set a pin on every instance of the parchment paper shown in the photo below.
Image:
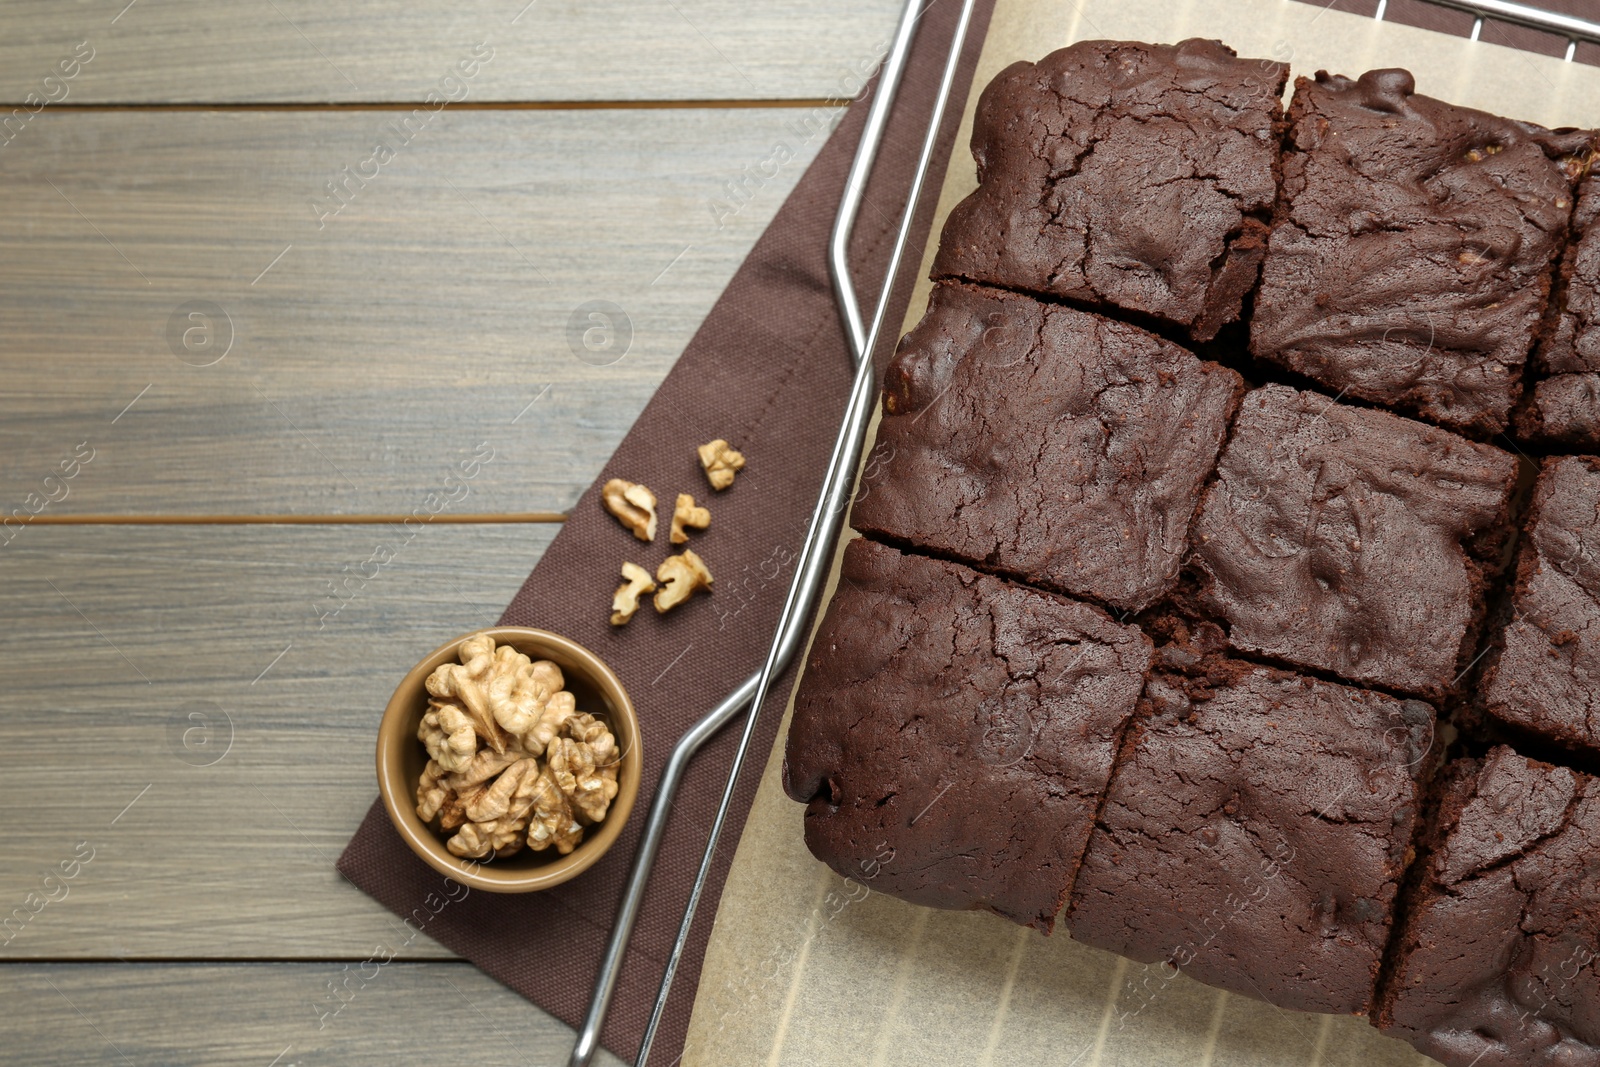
(806, 969)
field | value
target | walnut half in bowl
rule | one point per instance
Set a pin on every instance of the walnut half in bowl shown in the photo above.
(509, 759)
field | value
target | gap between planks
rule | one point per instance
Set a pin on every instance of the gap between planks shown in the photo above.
(279, 520)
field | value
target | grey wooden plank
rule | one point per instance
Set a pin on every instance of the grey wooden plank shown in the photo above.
(374, 349)
(277, 1014)
(215, 836)
(301, 50)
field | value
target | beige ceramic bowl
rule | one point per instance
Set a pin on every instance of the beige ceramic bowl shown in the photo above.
(401, 758)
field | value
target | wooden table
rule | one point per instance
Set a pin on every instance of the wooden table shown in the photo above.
(269, 272)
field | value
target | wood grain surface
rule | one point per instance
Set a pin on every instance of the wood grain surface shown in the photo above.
(205, 676)
(329, 263)
(446, 304)
(274, 51)
(355, 1014)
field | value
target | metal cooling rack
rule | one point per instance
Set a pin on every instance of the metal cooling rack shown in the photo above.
(1571, 27)
(816, 554)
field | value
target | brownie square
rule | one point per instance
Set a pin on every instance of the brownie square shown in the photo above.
(1045, 443)
(1545, 673)
(961, 726)
(1412, 249)
(1351, 540)
(1254, 834)
(1494, 962)
(1124, 175)
(1565, 407)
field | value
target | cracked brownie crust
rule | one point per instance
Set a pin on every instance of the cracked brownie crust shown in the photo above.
(1545, 676)
(964, 725)
(1254, 834)
(1045, 443)
(1232, 774)
(1495, 959)
(1124, 175)
(1351, 541)
(1565, 407)
(1412, 251)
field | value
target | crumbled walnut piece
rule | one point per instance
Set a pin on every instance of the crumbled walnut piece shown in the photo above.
(458, 683)
(470, 842)
(625, 601)
(431, 792)
(577, 785)
(477, 840)
(521, 688)
(561, 707)
(633, 505)
(680, 576)
(495, 802)
(589, 789)
(596, 734)
(498, 814)
(686, 514)
(448, 733)
(448, 796)
(453, 812)
(720, 462)
(485, 765)
(551, 822)
(503, 690)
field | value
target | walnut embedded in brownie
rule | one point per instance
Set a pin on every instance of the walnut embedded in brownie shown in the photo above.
(1045, 443)
(1124, 175)
(1413, 247)
(1565, 405)
(1544, 675)
(1350, 540)
(1494, 962)
(1255, 831)
(953, 733)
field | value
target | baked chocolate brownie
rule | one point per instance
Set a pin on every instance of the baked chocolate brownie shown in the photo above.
(1122, 175)
(1413, 246)
(1350, 540)
(1235, 783)
(1045, 443)
(1544, 675)
(1255, 832)
(1565, 407)
(954, 732)
(1494, 964)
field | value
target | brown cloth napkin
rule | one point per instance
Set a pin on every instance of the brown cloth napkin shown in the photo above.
(768, 370)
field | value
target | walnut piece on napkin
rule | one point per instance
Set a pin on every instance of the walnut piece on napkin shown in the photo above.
(625, 601)
(680, 576)
(686, 514)
(633, 505)
(721, 462)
